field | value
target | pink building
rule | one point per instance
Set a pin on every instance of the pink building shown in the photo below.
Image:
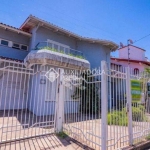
(138, 62)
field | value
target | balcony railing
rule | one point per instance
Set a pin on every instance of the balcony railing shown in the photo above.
(60, 49)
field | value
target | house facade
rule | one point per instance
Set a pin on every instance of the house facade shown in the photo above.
(137, 59)
(28, 53)
(129, 56)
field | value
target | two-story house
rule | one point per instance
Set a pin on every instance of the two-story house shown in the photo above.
(38, 42)
(32, 49)
(33, 59)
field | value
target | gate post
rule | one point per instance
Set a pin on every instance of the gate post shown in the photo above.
(59, 103)
(104, 105)
(129, 106)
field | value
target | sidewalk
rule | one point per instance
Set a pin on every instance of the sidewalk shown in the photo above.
(48, 142)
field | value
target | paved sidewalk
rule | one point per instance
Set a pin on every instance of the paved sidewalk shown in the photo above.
(48, 142)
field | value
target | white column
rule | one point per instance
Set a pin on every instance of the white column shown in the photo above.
(59, 103)
(104, 105)
(129, 105)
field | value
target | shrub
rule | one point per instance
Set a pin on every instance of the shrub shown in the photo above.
(138, 113)
(120, 117)
(147, 137)
(117, 118)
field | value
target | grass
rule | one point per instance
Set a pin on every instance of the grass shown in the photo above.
(62, 52)
(62, 135)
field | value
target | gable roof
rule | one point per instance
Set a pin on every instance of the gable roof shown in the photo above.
(14, 29)
(132, 46)
(33, 21)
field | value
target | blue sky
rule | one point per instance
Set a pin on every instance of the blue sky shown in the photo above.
(104, 19)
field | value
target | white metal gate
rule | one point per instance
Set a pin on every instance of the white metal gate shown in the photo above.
(99, 110)
(82, 108)
(27, 100)
(95, 107)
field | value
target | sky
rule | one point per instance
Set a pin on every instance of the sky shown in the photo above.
(115, 20)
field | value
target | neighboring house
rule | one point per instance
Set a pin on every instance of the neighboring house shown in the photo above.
(137, 63)
(29, 52)
(137, 60)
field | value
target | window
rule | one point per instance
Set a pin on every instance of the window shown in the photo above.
(50, 90)
(15, 45)
(24, 47)
(4, 42)
(136, 71)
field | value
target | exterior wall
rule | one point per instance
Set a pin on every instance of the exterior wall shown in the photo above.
(12, 53)
(135, 53)
(94, 53)
(13, 91)
(14, 37)
(42, 95)
(42, 34)
(132, 65)
(36, 100)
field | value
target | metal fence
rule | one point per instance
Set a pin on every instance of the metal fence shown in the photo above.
(104, 108)
(106, 113)
(27, 108)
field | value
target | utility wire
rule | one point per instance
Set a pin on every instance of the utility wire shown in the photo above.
(141, 38)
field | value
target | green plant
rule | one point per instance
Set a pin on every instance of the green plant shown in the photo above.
(138, 114)
(120, 117)
(79, 56)
(55, 50)
(62, 135)
(147, 137)
(71, 54)
(62, 52)
(89, 95)
(117, 118)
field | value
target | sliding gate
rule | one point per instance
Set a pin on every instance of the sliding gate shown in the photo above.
(27, 100)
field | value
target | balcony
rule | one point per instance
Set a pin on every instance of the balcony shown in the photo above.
(56, 54)
(60, 48)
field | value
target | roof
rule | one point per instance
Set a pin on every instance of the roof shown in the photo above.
(132, 60)
(33, 21)
(132, 46)
(14, 29)
(10, 59)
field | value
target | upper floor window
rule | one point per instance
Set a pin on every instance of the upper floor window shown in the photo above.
(13, 44)
(24, 47)
(4, 42)
(136, 71)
